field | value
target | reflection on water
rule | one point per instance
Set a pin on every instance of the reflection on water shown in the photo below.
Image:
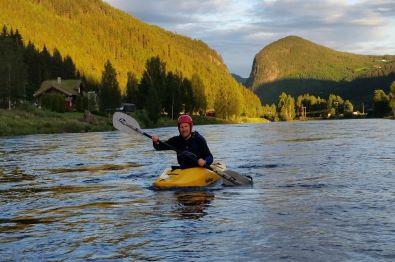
(14, 175)
(83, 168)
(322, 190)
(192, 204)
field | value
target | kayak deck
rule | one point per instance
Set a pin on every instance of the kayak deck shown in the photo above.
(182, 178)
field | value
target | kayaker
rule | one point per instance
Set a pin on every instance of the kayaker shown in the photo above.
(192, 149)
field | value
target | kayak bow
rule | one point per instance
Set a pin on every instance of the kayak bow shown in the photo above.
(189, 177)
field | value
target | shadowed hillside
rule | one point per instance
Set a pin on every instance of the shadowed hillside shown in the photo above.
(297, 66)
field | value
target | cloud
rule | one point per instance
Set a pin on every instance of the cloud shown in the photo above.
(239, 29)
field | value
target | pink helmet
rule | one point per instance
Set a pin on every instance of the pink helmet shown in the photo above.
(185, 119)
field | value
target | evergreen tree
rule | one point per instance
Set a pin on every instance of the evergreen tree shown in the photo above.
(13, 74)
(187, 96)
(172, 100)
(131, 89)
(45, 64)
(68, 68)
(227, 104)
(32, 61)
(199, 94)
(152, 89)
(381, 103)
(153, 106)
(56, 65)
(110, 95)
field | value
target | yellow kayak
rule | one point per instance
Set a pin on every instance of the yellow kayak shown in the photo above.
(190, 177)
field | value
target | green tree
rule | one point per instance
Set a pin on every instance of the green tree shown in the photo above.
(227, 104)
(335, 104)
(13, 73)
(348, 108)
(32, 61)
(172, 102)
(45, 64)
(110, 95)
(132, 88)
(286, 107)
(381, 103)
(269, 112)
(56, 65)
(199, 94)
(68, 68)
(187, 96)
(392, 98)
(54, 102)
(152, 89)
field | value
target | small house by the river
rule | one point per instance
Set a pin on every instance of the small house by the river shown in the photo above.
(70, 88)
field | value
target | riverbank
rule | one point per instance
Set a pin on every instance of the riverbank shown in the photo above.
(38, 121)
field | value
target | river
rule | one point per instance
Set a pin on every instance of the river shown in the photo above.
(323, 191)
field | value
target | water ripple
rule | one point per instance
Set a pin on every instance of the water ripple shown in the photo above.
(322, 189)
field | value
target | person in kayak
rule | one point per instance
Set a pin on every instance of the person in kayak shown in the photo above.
(191, 147)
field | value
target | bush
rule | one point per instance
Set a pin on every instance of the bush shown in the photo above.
(142, 118)
(54, 102)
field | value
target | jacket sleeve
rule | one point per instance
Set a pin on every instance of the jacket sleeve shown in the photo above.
(208, 157)
(162, 146)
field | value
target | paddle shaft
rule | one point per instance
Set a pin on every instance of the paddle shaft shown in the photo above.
(138, 130)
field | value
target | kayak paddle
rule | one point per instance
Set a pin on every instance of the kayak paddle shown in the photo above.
(129, 125)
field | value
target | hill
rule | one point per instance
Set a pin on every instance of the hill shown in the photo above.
(240, 79)
(92, 32)
(297, 66)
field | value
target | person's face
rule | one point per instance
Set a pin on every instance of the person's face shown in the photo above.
(185, 130)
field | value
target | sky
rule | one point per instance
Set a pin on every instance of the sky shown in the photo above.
(239, 29)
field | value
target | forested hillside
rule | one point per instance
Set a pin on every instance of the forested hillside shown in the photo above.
(297, 66)
(91, 32)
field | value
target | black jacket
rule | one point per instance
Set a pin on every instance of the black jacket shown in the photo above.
(189, 150)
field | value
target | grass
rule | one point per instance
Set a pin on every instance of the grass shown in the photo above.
(32, 120)
(36, 121)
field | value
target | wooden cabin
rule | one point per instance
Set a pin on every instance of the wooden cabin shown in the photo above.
(70, 88)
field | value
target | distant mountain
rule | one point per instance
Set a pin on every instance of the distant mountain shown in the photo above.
(240, 79)
(297, 66)
(92, 32)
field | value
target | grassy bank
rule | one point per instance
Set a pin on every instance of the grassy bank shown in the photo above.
(37, 121)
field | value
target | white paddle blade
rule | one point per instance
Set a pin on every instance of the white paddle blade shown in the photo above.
(125, 123)
(218, 166)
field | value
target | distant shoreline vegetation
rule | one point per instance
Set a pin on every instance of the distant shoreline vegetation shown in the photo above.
(311, 107)
(28, 120)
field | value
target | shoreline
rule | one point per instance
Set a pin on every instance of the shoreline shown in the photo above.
(19, 122)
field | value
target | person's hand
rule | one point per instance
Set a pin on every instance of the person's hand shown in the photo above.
(201, 162)
(155, 139)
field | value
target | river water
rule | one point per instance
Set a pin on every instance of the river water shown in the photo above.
(323, 191)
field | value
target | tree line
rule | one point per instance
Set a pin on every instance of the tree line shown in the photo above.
(24, 68)
(384, 104)
(288, 108)
(157, 93)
